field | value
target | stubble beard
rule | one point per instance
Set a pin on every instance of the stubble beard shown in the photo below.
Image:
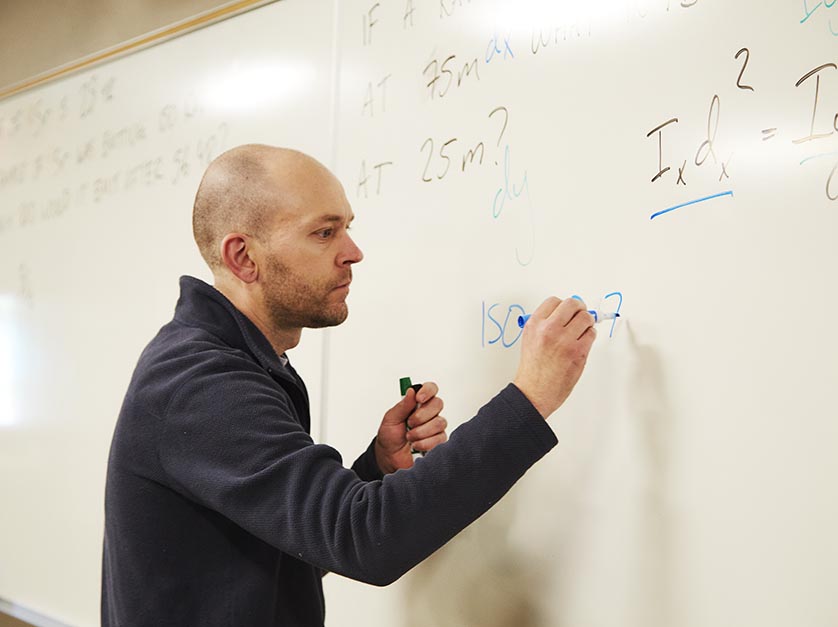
(295, 301)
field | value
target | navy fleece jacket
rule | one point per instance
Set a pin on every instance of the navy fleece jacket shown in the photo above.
(220, 510)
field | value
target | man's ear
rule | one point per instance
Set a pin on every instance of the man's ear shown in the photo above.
(236, 255)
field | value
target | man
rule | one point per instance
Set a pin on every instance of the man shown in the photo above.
(220, 509)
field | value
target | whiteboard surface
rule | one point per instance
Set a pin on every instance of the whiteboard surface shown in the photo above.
(694, 482)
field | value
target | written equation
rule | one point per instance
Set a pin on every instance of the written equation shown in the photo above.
(713, 155)
(447, 76)
(50, 175)
(473, 70)
(499, 322)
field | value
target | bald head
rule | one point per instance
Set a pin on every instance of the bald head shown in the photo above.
(250, 189)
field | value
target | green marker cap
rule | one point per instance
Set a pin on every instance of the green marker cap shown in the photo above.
(404, 384)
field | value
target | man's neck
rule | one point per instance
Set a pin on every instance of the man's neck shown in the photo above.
(281, 339)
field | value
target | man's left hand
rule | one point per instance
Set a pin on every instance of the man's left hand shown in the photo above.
(427, 428)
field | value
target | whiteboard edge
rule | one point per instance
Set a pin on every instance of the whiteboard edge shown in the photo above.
(27, 615)
(136, 44)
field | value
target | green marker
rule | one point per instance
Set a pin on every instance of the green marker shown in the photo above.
(404, 385)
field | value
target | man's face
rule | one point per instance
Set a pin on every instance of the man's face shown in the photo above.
(308, 259)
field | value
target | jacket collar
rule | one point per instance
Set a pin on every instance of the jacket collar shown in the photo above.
(200, 304)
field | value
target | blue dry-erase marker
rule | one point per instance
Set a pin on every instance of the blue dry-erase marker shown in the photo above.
(598, 317)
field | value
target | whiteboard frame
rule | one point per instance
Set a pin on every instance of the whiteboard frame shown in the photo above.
(141, 42)
(7, 608)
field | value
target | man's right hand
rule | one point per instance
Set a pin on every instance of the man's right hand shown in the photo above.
(555, 346)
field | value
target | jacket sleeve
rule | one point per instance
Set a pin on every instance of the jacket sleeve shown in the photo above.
(230, 442)
(366, 466)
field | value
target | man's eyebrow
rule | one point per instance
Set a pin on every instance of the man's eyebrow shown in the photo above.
(333, 218)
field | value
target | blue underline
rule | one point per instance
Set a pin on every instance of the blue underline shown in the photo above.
(692, 202)
(826, 154)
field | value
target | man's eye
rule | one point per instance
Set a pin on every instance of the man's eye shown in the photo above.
(325, 233)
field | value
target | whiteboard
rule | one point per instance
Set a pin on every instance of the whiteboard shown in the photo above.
(98, 172)
(694, 479)
(694, 483)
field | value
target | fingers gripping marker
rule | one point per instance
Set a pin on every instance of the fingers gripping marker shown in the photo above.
(404, 385)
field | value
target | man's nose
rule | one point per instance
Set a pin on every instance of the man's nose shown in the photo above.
(352, 254)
